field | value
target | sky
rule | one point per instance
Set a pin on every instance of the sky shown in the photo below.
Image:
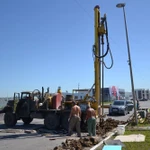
(49, 43)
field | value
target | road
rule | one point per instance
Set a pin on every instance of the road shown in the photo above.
(145, 103)
(16, 138)
(24, 141)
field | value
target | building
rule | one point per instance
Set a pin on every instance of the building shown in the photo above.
(81, 93)
(142, 94)
(122, 94)
(109, 93)
(128, 95)
(148, 94)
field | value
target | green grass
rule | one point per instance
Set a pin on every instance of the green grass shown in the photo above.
(135, 145)
(144, 124)
(138, 145)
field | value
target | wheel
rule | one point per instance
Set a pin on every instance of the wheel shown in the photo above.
(64, 121)
(10, 119)
(27, 120)
(52, 121)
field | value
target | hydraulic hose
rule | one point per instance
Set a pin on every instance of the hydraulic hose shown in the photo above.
(104, 21)
(102, 79)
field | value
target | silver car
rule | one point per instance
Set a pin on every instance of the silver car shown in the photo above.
(119, 107)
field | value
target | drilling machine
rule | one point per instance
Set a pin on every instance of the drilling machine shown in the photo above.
(96, 101)
(98, 51)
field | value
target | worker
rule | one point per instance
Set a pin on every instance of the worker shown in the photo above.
(91, 121)
(74, 119)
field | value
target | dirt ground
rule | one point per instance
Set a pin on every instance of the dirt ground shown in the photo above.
(102, 128)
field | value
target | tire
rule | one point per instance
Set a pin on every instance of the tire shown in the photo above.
(10, 119)
(52, 121)
(27, 120)
(64, 121)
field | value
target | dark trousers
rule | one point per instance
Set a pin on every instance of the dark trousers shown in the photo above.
(91, 126)
(74, 123)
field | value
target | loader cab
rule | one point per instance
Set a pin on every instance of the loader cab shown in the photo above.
(25, 105)
(26, 95)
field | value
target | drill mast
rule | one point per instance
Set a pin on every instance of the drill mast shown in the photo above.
(99, 32)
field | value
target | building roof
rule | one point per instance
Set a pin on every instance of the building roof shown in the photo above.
(79, 90)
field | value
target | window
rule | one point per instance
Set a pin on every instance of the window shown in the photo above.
(25, 95)
(119, 102)
(128, 102)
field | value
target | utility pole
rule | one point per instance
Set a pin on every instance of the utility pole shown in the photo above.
(122, 5)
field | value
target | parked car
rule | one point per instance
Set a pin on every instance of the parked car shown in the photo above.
(119, 107)
(130, 105)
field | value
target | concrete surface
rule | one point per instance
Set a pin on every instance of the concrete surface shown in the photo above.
(21, 141)
(131, 138)
(99, 145)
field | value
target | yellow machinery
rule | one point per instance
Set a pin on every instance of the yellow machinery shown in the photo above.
(99, 31)
(98, 51)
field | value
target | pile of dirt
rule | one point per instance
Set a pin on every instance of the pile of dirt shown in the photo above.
(101, 129)
(106, 126)
(71, 144)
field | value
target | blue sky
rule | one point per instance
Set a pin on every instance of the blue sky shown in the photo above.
(49, 43)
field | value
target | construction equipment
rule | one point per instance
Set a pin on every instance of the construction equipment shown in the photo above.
(26, 106)
(54, 109)
(29, 105)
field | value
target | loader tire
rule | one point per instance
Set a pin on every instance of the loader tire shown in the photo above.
(27, 120)
(52, 121)
(10, 119)
(64, 121)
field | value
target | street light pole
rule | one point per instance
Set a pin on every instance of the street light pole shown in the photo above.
(122, 5)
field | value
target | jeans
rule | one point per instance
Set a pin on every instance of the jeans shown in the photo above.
(91, 126)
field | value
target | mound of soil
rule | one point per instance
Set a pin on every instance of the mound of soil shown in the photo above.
(101, 129)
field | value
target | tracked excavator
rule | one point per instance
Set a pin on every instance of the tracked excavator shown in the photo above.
(55, 109)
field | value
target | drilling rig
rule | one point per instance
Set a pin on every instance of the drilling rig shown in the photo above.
(100, 31)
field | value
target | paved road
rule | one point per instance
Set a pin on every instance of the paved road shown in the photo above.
(23, 141)
(145, 103)
(16, 138)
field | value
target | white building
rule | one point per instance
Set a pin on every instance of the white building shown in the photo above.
(142, 93)
(148, 94)
(110, 93)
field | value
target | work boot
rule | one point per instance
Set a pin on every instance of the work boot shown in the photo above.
(78, 135)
